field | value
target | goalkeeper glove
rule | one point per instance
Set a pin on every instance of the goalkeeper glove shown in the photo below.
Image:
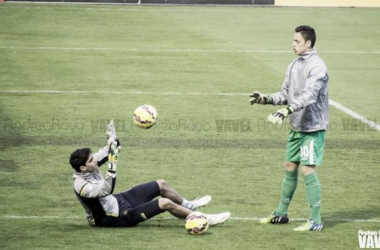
(110, 132)
(113, 156)
(280, 115)
(257, 97)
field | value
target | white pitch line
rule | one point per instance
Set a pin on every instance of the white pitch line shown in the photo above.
(354, 115)
(332, 102)
(38, 217)
(15, 91)
(143, 50)
(304, 219)
(173, 218)
(177, 50)
(241, 9)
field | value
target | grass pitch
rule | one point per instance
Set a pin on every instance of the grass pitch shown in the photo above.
(65, 70)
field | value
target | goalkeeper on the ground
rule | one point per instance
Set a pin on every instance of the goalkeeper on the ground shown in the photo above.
(125, 209)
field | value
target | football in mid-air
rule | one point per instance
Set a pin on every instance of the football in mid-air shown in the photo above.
(196, 223)
(145, 116)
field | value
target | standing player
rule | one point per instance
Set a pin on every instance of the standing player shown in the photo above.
(305, 92)
(131, 207)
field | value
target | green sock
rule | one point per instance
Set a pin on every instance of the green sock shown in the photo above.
(289, 185)
(313, 191)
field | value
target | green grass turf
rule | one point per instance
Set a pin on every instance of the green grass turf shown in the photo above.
(195, 53)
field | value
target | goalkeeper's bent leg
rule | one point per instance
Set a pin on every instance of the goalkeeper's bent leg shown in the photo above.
(168, 192)
(173, 208)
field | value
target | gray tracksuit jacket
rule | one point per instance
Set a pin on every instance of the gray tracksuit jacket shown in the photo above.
(95, 192)
(305, 89)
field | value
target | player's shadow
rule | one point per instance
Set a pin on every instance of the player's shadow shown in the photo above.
(161, 222)
(146, 224)
(335, 218)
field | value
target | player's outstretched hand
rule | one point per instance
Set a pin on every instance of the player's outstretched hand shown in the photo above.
(257, 97)
(110, 132)
(113, 156)
(280, 115)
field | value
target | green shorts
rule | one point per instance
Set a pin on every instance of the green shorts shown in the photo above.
(306, 147)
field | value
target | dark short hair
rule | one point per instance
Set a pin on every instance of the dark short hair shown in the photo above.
(79, 158)
(308, 33)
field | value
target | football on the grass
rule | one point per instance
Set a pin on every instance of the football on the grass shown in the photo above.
(145, 116)
(196, 223)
